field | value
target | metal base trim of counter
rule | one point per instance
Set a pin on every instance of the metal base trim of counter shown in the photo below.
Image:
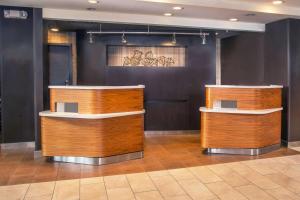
(98, 161)
(252, 152)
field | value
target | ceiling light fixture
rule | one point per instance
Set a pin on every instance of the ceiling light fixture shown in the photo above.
(203, 37)
(54, 29)
(177, 8)
(91, 38)
(233, 19)
(168, 14)
(174, 39)
(277, 2)
(93, 1)
(123, 39)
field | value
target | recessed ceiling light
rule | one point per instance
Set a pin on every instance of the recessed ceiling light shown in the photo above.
(177, 8)
(278, 2)
(93, 1)
(233, 19)
(168, 14)
(54, 29)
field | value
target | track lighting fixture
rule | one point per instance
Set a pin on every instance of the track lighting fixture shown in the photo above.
(174, 39)
(91, 38)
(124, 41)
(203, 37)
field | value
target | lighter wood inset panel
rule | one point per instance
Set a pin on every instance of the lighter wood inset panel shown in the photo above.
(247, 98)
(100, 101)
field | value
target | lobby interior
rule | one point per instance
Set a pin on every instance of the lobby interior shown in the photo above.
(149, 99)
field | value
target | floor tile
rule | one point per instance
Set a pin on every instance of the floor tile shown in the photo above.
(13, 192)
(204, 174)
(181, 197)
(253, 192)
(181, 174)
(160, 173)
(151, 195)
(140, 182)
(93, 191)
(261, 181)
(120, 194)
(196, 190)
(92, 180)
(228, 175)
(43, 197)
(66, 190)
(225, 191)
(117, 181)
(283, 194)
(285, 181)
(40, 189)
(168, 186)
(261, 166)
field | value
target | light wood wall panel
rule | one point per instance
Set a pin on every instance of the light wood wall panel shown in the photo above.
(99, 101)
(66, 38)
(222, 130)
(92, 137)
(247, 98)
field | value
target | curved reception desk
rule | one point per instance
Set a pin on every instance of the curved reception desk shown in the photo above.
(93, 125)
(241, 119)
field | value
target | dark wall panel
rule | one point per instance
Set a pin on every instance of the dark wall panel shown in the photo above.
(17, 77)
(172, 95)
(242, 59)
(277, 64)
(294, 112)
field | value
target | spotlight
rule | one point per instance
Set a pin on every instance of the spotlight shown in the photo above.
(174, 39)
(54, 29)
(91, 38)
(124, 41)
(277, 2)
(93, 1)
(177, 8)
(233, 19)
(168, 14)
(203, 37)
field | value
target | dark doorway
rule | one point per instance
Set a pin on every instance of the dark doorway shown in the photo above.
(60, 64)
(58, 69)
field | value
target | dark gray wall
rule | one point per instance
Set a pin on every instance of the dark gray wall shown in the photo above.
(294, 80)
(282, 66)
(20, 71)
(269, 58)
(242, 59)
(172, 95)
(277, 64)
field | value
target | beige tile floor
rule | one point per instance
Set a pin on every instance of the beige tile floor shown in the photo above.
(262, 179)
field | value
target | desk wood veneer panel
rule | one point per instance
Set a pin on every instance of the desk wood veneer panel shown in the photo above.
(99, 101)
(92, 137)
(248, 99)
(222, 130)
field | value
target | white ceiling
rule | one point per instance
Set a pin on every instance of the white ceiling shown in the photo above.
(218, 10)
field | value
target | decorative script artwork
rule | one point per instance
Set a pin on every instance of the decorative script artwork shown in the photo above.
(133, 56)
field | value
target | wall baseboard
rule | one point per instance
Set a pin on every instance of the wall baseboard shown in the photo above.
(294, 144)
(17, 145)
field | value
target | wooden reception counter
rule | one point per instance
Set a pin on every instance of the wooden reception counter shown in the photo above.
(241, 119)
(93, 124)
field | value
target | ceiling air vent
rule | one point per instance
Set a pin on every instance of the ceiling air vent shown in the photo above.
(15, 14)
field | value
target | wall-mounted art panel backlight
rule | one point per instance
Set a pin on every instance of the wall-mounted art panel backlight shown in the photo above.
(146, 56)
